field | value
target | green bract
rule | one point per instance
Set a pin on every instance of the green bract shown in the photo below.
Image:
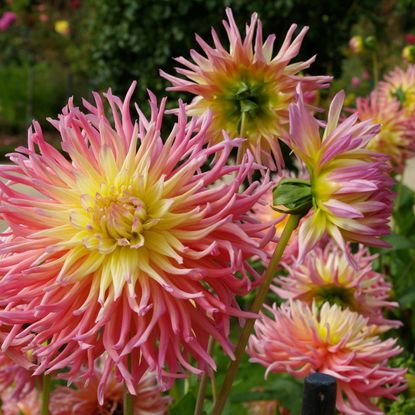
(292, 196)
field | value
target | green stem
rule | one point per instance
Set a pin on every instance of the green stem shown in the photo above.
(203, 383)
(128, 403)
(256, 306)
(45, 395)
(242, 126)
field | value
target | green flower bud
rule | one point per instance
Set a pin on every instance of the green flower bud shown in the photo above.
(292, 196)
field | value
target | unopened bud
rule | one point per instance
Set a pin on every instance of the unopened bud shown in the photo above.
(370, 43)
(293, 196)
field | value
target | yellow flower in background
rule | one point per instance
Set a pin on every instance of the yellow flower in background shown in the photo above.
(62, 27)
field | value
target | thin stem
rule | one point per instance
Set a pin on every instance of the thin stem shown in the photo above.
(203, 383)
(214, 390)
(45, 395)
(242, 127)
(399, 189)
(375, 68)
(256, 306)
(128, 403)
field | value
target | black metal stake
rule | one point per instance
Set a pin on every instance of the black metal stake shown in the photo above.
(319, 395)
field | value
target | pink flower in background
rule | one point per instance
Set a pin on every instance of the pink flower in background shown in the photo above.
(302, 339)
(397, 135)
(128, 249)
(355, 82)
(43, 17)
(15, 381)
(325, 275)
(350, 184)
(400, 84)
(410, 38)
(27, 405)
(83, 400)
(7, 20)
(365, 75)
(247, 89)
(356, 44)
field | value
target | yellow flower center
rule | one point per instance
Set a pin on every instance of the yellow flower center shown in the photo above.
(121, 219)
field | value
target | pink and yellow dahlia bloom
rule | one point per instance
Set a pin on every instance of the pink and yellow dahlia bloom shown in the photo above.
(83, 400)
(350, 185)
(397, 135)
(15, 381)
(28, 404)
(247, 89)
(325, 275)
(126, 249)
(302, 339)
(400, 84)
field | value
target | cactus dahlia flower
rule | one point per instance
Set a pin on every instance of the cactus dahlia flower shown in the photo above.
(302, 339)
(397, 136)
(69, 401)
(350, 185)
(246, 88)
(400, 84)
(127, 248)
(15, 381)
(325, 275)
(27, 405)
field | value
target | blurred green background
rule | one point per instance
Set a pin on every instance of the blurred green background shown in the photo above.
(56, 49)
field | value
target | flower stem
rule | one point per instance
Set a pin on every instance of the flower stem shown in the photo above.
(45, 395)
(256, 306)
(203, 383)
(128, 403)
(242, 126)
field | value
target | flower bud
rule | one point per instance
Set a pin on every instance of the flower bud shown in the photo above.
(293, 196)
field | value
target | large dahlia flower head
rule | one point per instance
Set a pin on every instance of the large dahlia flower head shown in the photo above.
(127, 251)
(247, 89)
(396, 138)
(325, 274)
(300, 339)
(350, 185)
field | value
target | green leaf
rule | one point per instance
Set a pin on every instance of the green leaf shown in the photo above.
(400, 242)
(408, 299)
(184, 406)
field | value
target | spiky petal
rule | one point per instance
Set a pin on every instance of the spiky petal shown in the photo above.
(351, 185)
(247, 89)
(302, 339)
(127, 248)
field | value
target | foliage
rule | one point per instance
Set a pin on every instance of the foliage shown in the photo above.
(148, 34)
